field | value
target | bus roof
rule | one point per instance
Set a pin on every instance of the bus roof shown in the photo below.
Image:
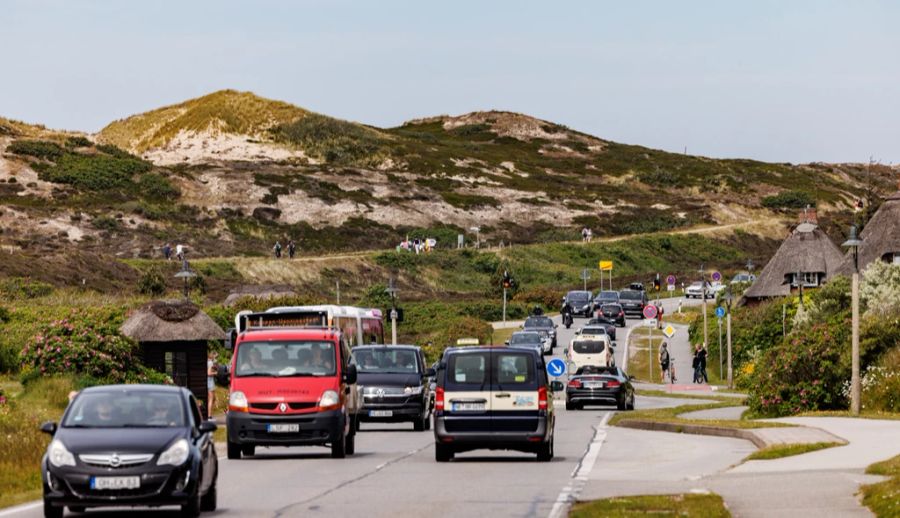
(332, 309)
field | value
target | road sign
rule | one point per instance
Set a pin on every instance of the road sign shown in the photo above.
(605, 266)
(720, 312)
(716, 276)
(556, 367)
(670, 287)
(650, 311)
(669, 331)
(670, 280)
(652, 322)
(585, 274)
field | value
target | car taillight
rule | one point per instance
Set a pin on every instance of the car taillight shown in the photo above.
(542, 398)
(612, 384)
(575, 384)
(621, 313)
(439, 399)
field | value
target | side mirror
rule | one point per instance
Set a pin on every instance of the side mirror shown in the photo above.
(613, 345)
(49, 427)
(557, 386)
(350, 374)
(630, 377)
(430, 373)
(506, 342)
(208, 427)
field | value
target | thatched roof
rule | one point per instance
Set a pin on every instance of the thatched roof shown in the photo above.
(806, 250)
(171, 321)
(880, 236)
(261, 292)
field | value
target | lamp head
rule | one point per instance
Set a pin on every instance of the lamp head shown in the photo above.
(853, 241)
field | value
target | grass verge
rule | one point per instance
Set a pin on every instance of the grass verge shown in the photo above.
(864, 414)
(883, 498)
(686, 505)
(779, 451)
(670, 415)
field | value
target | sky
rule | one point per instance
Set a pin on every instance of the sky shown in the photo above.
(798, 81)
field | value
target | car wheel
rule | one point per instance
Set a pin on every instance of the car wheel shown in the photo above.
(77, 509)
(620, 403)
(442, 453)
(339, 448)
(630, 405)
(210, 499)
(52, 512)
(234, 450)
(192, 508)
(248, 450)
(545, 451)
(419, 423)
(428, 421)
(570, 406)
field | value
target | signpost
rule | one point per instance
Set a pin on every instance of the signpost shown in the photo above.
(392, 291)
(605, 266)
(670, 283)
(720, 312)
(556, 367)
(650, 314)
(585, 275)
(716, 276)
(669, 331)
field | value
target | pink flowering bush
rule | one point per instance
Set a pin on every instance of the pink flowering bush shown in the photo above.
(88, 345)
(805, 373)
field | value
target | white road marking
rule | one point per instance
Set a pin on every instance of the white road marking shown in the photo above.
(570, 492)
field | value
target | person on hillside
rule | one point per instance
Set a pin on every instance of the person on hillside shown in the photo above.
(663, 361)
(292, 248)
(211, 370)
(277, 249)
(589, 236)
(167, 251)
(584, 233)
(179, 252)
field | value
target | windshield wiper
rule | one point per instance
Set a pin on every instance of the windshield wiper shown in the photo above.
(267, 374)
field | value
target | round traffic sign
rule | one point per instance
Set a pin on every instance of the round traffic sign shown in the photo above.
(556, 367)
(650, 311)
(670, 280)
(716, 276)
(720, 312)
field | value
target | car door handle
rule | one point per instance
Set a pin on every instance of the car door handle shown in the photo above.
(503, 394)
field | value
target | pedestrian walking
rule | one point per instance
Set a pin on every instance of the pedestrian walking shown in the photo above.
(167, 251)
(277, 249)
(663, 361)
(695, 365)
(584, 231)
(292, 248)
(211, 369)
(701, 359)
(590, 235)
(179, 252)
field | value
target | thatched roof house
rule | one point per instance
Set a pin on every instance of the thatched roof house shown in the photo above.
(171, 321)
(880, 237)
(807, 256)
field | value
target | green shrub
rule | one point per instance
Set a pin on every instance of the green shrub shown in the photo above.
(805, 373)
(332, 140)
(114, 151)
(155, 186)
(37, 148)
(881, 384)
(789, 200)
(152, 282)
(105, 223)
(547, 297)
(95, 172)
(73, 142)
(23, 288)
(400, 260)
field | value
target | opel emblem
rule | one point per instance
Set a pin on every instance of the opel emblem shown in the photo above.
(380, 393)
(282, 407)
(114, 461)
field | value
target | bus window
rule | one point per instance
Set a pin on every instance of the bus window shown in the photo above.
(348, 328)
(373, 331)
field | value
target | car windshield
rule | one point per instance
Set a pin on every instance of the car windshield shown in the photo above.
(385, 360)
(589, 346)
(631, 295)
(598, 330)
(608, 295)
(538, 322)
(525, 338)
(129, 409)
(575, 296)
(611, 309)
(285, 358)
(588, 370)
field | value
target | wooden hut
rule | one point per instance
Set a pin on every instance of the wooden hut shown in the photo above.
(807, 257)
(880, 237)
(173, 337)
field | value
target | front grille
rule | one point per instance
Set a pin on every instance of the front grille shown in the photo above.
(115, 460)
(263, 406)
(151, 484)
(302, 405)
(293, 405)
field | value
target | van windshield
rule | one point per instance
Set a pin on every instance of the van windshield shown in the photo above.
(285, 358)
(630, 295)
(386, 360)
(589, 346)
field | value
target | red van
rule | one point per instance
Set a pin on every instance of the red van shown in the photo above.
(292, 384)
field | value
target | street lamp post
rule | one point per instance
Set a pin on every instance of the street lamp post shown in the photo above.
(853, 244)
(187, 275)
(728, 298)
(392, 291)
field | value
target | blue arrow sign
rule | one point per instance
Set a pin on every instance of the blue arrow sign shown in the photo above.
(720, 312)
(556, 367)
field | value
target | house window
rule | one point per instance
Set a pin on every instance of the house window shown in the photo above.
(896, 257)
(809, 279)
(177, 367)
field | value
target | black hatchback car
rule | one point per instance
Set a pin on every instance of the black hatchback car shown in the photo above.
(130, 445)
(394, 384)
(612, 314)
(599, 386)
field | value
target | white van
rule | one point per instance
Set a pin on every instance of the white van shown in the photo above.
(590, 349)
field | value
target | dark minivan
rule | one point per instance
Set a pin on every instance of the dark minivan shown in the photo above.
(394, 384)
(633, 302)
(130, 445)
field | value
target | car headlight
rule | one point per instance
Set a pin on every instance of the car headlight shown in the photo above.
(176, 455)
(58, 455)
(329, 398)
(237, 401)
(413, 390)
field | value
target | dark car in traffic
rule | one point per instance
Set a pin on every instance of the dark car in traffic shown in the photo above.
(609, 329)
(592, 385)
(394, 385)
(633, 302)
(606, 297)
(581, 302)
(541, 324)
(611, 313)
(531, 340)
(130, 445)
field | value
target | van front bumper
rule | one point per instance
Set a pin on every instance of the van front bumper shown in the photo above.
(317, 428)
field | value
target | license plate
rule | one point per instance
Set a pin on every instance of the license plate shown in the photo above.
(282, 428)
(381, 413)
(593, 384)
(467, 407)
(115, 482)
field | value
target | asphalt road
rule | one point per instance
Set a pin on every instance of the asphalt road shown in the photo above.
(394, 472)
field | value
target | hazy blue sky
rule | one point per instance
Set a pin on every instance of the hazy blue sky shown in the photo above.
(775, 80)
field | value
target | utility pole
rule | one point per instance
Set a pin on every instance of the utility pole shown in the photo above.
(853, 244)
(728, 299)
(337, 285)
(392, 291)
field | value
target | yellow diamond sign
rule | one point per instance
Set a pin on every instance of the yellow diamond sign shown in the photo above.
(669, 331)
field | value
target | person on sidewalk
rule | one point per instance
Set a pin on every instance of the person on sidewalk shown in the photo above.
(701, 359)
(211, 369)
(663, 362)
(695, 365)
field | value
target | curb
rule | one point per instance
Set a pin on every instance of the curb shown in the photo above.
(695, 429)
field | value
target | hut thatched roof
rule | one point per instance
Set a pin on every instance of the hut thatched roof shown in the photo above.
(806, 250)
(880, 236)
(171, 321)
